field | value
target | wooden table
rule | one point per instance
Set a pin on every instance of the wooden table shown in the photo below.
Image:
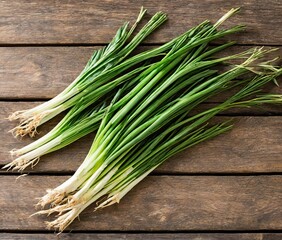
(227, 188)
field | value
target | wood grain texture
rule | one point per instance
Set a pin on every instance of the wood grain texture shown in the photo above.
(39, 72)
(43, 72)
(147, 236)
(166, 205)
(162, 203)
(88, 21)
(254, 145)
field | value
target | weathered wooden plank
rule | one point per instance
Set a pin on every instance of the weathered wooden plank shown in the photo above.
(147, 236)
(43, 72)
(39, 72)
(160, 203)
(254, 145)
(96, 22)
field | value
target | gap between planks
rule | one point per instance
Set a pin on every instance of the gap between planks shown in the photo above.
(157, 44)
(77, 235)
(162, 173)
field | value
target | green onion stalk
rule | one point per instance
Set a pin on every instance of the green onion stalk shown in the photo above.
(192, 45)
(182, 135)
(155, 123)
(103, 67)
(71, 128)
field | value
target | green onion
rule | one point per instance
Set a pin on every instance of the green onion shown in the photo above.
(75, 125)
(102, 68)
(146, 116)
(154, 123)
(119, 159)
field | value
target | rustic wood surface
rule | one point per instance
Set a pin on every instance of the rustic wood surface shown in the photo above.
(225, 189)
(76, 22)
(147, 236)
(165, 203)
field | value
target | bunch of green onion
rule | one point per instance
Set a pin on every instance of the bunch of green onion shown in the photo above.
(147, 117)
(85, 116)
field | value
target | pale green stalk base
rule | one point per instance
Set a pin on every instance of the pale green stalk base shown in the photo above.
(32, 118)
